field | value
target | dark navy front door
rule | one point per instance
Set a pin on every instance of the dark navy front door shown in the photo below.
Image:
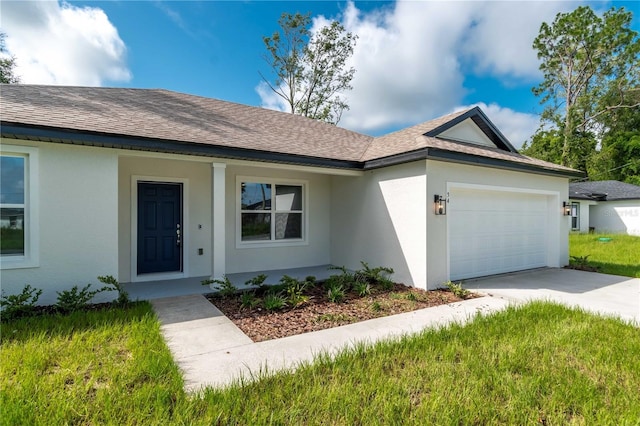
(159, 227)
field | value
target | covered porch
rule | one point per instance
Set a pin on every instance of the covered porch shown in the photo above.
(184, 286)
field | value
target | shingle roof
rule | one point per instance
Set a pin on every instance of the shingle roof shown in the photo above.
(163, 114)
(188, 120)
(604, 190)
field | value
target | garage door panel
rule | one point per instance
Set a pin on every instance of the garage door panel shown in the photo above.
(492, 232)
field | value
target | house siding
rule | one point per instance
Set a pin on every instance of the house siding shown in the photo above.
(379, 218)
(78, 210)
(621, 216)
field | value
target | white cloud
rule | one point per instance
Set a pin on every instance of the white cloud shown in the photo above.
(516, 126)
(58, 43)
(412, 57)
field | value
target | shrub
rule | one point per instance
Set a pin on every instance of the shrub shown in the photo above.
(256, 281)
(19, 305)
(457, 290)
(123, 296)
(377, 275)
(376, 306)
(412, 297)
(76, 299)
(274, 301)
(224, 286)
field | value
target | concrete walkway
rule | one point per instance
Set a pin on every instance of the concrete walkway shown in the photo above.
(212, 351)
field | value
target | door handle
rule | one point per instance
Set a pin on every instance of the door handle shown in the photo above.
(178, 241)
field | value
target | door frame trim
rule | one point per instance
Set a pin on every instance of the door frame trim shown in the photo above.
(553, 216)
(134, 229)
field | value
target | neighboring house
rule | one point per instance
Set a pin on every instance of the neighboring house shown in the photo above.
(154, 185)
(605, 206)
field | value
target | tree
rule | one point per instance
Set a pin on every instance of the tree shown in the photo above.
(310, 69)
(591, 69)
(7, 64)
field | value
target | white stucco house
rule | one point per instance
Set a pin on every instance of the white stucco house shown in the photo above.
(150, 185)
(607, 206)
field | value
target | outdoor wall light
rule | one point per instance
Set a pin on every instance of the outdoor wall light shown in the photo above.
(439, 205)
(566, 208)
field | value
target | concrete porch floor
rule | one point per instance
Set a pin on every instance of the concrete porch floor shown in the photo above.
(159, 289)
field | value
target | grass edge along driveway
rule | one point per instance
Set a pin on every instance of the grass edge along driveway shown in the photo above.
(537, 364)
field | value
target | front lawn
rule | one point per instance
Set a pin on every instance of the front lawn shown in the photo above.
(538, 364)
(618, 256)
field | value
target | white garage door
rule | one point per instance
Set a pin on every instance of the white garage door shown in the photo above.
(492, 232)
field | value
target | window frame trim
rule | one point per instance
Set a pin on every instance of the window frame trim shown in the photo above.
(31, 256)
(274, 181)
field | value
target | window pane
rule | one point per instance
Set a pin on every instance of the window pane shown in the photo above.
(288, 225)
(256, 226)
(288, 197)
(11, 180)
(12, 231)
(256, 196)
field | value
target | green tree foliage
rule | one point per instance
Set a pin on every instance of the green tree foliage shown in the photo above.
(590, 88)
(7, 64)
(311, 69)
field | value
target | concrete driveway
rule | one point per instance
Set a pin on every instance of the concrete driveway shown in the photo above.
(600, 293)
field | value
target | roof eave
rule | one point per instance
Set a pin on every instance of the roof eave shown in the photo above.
(75, 137)
(469, 159)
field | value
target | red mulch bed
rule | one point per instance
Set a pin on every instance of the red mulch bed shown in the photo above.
(319, 313)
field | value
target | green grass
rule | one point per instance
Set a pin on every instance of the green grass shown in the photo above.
(620, 256)
(538, 364)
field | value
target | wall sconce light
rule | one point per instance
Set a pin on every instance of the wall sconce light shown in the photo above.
(566, 208)
(439, 205)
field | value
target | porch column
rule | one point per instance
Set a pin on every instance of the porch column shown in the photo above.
(218, 266)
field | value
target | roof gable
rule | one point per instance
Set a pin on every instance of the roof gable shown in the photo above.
(467, 131)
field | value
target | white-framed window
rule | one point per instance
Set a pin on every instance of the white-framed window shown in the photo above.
(18, 207)
(575, 216)
(271, 211)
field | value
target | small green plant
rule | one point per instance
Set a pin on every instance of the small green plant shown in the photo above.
(412, 296)
(123, 296)
(249, 300)
(376, 306)
(19, 305)
(76, 298)
(224, 286)
(362, 288)
(256, 281)
(335, 294)
(274, 301)
(457, 289)
(345, 279)
(294, 289)
(378, 275)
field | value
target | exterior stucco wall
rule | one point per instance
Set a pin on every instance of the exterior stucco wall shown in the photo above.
(316, 250)
(379, 218)
(78, 215)
(196, 179)
(442, 176)
(616, 216)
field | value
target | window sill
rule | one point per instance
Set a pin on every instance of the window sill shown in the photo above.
(270, 244)
(21, 263)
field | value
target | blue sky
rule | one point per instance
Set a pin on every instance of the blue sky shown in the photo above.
(414, 60)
